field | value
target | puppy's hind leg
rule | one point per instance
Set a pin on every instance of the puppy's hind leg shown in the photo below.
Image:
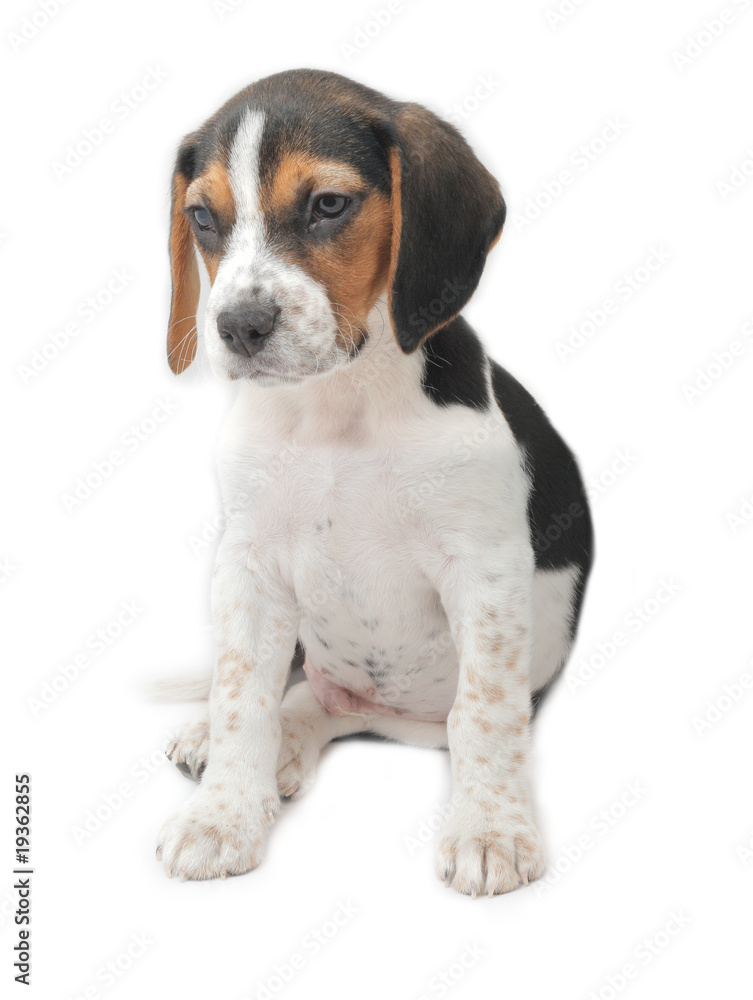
(306, 729)
(411, 731)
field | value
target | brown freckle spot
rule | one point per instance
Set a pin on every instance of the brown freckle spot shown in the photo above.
(512, 660)
(491, 692)
(523, 845)
(261, 700)
(482, 761)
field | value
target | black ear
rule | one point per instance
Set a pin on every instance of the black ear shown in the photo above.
(447, 213)
(181, 330)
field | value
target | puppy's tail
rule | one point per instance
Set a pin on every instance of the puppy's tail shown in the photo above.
(180, 688)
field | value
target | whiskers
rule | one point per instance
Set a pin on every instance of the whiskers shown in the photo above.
(186, 346)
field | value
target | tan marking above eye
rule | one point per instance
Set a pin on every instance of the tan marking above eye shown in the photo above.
(297, 170)
(213, 187)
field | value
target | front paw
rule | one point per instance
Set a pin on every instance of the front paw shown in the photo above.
(216, 834)
(190, 750)
(492, 855)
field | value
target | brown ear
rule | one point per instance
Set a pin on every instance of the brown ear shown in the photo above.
(181, 331)
(448, 212)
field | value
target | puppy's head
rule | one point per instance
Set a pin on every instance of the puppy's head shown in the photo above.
(308, 197)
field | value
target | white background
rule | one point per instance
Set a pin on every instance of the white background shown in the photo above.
(662, 511)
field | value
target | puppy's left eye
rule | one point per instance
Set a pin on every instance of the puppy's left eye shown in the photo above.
(203, 219)
(330, 206)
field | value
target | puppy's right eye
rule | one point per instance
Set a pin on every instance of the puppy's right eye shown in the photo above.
(203, 219)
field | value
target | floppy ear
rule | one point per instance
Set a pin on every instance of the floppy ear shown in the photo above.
(447, 212)
(181, 331)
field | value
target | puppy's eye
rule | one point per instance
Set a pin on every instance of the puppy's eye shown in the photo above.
(330, 206)
(203, 219)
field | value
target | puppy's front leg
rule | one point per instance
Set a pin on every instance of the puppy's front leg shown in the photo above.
(222, 828)
(490, 841)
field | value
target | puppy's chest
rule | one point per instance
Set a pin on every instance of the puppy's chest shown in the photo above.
(354, 545)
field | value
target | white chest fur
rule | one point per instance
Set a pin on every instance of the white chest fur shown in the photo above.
(356, 485)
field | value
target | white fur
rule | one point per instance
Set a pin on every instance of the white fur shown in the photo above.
(251, 270)
(385, 531)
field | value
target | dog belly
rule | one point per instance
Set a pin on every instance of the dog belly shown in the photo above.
(394, 660)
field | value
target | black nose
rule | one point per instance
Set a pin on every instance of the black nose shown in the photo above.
(245, 330)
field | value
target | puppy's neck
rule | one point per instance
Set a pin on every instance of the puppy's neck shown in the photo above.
(361, 401)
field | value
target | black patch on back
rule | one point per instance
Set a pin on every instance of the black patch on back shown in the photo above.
(455, 367)
(558, 515)
(559, 519)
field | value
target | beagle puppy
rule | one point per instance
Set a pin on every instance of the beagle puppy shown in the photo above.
(396, 505)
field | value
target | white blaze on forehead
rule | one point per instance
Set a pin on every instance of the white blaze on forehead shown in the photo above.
(243, 168)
